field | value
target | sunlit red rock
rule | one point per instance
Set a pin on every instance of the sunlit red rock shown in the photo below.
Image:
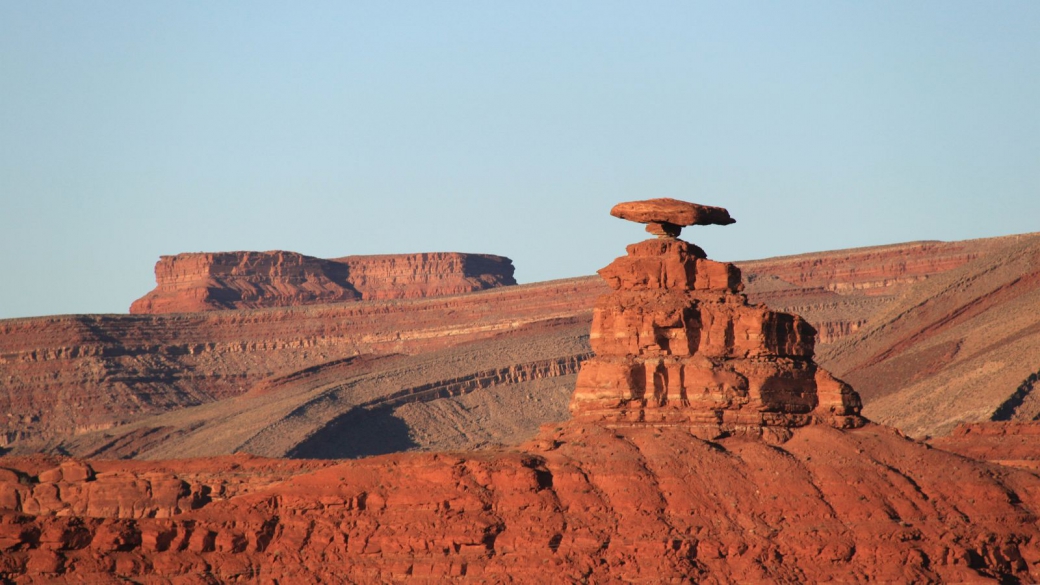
(665, 217)
(607, 497)
(251, 280)
(677, 343)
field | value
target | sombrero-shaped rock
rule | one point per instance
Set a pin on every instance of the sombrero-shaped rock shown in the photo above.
(666, 217)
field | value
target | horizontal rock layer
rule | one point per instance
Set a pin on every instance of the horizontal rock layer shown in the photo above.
(677, 343)
(1015, 444)
(68, 375)
(645, 505)
(958, 347)
(251, 280)
(72, 374)
(671, 211)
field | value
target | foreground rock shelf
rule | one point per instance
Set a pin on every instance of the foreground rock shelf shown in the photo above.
(585, 503)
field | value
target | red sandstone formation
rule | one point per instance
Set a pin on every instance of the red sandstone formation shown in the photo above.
(623, 493)
(65, 376)
(250, 280)
(414, 276)
(666, 217)
(1016, 444)
(243, 280)
(677, 343)
(68, 375)
(586, 504)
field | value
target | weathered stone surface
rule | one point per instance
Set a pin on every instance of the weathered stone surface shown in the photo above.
(1015, 444)
(671, 211)
(585, 503)
(69, 471)
(66, 375)
(664, 229)
(75, 375)
(668, 483)
(252, 280)
(424, 275)
(676, 343)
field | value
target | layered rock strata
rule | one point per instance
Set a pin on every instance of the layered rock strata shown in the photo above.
(677, 343)
(1014, 444)
(639, 499)
(959, 347)
(68, 375)
(414, 276)
(252, 280)
(586, 504)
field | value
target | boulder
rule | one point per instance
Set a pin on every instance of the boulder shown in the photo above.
(665, 217)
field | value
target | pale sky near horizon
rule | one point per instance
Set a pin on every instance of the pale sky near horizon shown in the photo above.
(129, 130)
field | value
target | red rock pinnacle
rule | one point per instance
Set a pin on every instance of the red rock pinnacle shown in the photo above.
(665, 217)
(676, 343)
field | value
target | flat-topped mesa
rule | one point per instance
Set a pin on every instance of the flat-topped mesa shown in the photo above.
(255, 280)
(665, 217)
(677, 343)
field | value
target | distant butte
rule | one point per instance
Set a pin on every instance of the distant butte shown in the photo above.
(257, 280)
(666, 217)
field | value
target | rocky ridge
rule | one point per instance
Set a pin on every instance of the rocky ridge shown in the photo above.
(585, 504)
(958, 347)
(839, 291)
(68, 375)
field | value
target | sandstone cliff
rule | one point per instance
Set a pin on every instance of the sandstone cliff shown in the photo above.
(251, 280)
(413, 276)
(677, 343)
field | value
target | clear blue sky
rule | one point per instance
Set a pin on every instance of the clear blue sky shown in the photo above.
(134, 129)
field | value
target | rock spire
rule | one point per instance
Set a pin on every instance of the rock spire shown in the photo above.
(676, 343)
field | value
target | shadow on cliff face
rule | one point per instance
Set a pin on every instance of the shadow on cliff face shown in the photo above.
(358, 433)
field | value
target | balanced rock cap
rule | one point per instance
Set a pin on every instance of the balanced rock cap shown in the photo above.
(666, 217)
(673, 211)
